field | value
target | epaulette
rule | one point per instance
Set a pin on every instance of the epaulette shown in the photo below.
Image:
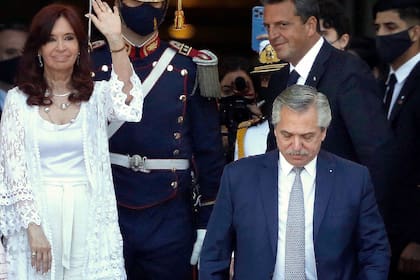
(207, 70)
(251, 122)
(186, 50)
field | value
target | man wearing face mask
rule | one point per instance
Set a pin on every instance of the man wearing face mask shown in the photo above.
(177, 145)
(397, 25)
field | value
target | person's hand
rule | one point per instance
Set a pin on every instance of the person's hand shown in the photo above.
(108, 22)
(40, 249)
(195, 257)
(410, 259)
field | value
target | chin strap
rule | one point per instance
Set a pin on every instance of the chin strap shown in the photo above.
(90, 46)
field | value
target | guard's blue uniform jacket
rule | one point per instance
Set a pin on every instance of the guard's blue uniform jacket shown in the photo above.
(177, 123)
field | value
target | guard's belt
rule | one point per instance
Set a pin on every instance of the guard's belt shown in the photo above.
(143, 164)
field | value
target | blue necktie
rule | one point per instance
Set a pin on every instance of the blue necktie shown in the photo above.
(293, 77)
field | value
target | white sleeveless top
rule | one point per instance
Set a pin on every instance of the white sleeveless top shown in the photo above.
(61, 149)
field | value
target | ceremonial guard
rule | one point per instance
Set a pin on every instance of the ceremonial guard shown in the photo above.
(176, 148)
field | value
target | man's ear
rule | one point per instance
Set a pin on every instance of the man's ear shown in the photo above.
(415, 33)
(343, 41)
(323, 133)
(311, 25)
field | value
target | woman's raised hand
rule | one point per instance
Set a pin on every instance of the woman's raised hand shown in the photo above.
(108, 22)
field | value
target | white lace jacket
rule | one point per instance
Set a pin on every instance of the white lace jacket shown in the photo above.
(20, 174)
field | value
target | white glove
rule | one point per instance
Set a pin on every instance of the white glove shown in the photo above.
(201, 233)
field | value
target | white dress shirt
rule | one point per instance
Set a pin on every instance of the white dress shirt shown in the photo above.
(285, 182)
(401, 74)
(304, 66)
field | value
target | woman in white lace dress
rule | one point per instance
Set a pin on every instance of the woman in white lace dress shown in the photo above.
(3, 265)
(58, 209)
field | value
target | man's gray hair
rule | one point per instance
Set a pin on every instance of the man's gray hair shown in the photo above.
(300, 98)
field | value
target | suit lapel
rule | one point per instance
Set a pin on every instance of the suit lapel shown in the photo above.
(318, 68)
(324, 184)
(406, 91)
(269, 194)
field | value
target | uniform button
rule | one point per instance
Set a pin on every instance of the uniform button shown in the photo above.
(176, 152)
(177, 135)
(104, 68)
(170, 68)
(92, 74)
(180, 119)
(184, 72)
(154, 63)
(183, 97)
(174, 184)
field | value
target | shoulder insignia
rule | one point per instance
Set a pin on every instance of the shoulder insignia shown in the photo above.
(199, 56)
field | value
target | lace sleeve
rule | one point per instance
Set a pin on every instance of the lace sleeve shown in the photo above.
(17, 203)
(115, 104)
(3, 263)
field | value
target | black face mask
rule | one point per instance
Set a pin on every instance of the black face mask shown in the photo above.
(143, 19)
(390, 47)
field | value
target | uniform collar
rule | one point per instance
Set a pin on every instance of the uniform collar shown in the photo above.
(148, 48)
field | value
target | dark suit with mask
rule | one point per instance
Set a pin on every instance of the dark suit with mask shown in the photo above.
(404, 211)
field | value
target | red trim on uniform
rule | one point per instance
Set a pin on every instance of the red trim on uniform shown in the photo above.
(145, 50)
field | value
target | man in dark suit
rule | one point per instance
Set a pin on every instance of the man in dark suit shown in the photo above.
(398, 43)
(359, 130)
(296, 212)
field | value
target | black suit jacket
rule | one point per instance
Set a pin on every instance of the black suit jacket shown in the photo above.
(359, 130)
(404, 224)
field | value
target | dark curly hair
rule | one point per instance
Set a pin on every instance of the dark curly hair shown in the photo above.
(30, 77)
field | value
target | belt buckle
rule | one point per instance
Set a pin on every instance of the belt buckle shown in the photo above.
(138, 163)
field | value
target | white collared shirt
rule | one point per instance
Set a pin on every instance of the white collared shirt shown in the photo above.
(285, 182)
(304, 66)
(401, 74)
